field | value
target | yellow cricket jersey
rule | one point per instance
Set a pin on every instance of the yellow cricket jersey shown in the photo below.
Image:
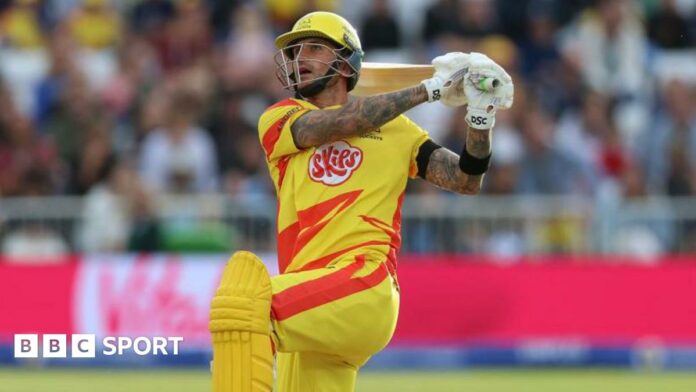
(340, 199)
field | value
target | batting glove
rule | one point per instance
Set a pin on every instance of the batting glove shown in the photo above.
(484, 98)
(448, 68)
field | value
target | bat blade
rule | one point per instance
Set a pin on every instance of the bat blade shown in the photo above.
(378, 78)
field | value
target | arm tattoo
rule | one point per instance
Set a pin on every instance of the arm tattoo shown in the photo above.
(357, 116)
(478, 142)
(443, 171)
(443, 166)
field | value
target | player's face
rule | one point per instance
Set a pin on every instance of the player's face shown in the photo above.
(313, 58)
(306, 60)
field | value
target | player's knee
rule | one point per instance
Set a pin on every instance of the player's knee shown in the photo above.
(243, 300)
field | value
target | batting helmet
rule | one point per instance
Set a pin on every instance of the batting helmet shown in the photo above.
(334, 28)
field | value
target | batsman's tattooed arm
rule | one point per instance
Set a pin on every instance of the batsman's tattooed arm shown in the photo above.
(358, 116)
(443, 166)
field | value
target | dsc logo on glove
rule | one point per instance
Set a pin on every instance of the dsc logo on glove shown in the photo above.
(478, 120)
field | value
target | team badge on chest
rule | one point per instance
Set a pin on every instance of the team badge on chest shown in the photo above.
(333, 164)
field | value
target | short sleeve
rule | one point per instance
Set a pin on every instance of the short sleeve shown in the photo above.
(415, 137)
(274, 128)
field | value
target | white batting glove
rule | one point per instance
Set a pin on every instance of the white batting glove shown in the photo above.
(484, 103)
(446, 72)
(455, 96)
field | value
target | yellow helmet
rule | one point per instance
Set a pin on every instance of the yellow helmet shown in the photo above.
(327, 25)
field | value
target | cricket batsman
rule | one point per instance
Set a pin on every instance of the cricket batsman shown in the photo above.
(340, 165)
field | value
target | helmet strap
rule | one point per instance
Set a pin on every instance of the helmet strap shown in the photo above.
(319, 85)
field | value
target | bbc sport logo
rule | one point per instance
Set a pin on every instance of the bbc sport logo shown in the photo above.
(84, 345)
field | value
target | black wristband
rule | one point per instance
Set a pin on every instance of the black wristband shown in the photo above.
(471, 165)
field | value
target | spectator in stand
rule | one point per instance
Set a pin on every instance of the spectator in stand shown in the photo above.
(29, 160)
(284, 13)
(180, 157)
(247, 52)
(669, 149)
(94, 25)
(118, 213)
(150, 17)
(124, 92)
(589, 136)
(21, 27)
(94, 161)
(32, 238)
(544, 167)
(23, 59)
(227, 125)
(222, 16)
(236, 141)
(455, 25)
(253, 175)
(48, 92)
(441, 19)
(504, 241)
(628, 233)
(479, 18)
(380, 29)
(513, 16)
(187, 38)
(540, 61)
(441, 28)
(7, 111)
(612, 35)
(667, 28)
(106, 217)
(72, 118)
(504, 171)
(95, 28)
(146, 230)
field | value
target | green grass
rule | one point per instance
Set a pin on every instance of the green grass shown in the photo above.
(530, 381)
(23, 380)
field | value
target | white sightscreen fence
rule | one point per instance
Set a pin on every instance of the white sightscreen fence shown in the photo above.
(496, 225)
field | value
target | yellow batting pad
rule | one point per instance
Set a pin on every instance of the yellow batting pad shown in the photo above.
(239, 325)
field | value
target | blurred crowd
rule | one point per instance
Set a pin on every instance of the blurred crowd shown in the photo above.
(123, 100)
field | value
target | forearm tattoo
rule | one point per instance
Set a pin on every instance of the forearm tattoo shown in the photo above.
(443, 171)
(358, 116)
(478, 142)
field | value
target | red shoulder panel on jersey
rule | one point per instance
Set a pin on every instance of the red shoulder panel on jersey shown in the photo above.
(270, 138)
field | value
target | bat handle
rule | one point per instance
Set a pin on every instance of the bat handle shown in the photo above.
(487, 84)
(481, 82)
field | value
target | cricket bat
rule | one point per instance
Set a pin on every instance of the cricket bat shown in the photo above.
(378, 78)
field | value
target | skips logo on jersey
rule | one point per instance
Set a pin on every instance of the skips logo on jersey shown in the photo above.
(333, 164)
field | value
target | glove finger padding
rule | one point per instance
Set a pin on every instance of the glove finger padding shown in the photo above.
(448, 69)
(454, 95)
(450, 63)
